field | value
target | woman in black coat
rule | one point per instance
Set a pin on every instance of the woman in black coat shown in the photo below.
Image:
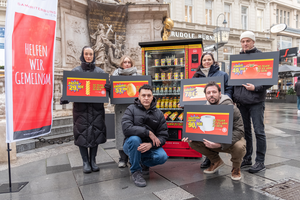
(88, 118)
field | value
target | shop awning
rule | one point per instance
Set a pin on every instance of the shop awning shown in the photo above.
(288, 71)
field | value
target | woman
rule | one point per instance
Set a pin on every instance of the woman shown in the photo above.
(88, 118)
(126, 69)
(209, 68)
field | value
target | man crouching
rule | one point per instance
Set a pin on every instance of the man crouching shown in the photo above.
(145, 130)
(237, 148)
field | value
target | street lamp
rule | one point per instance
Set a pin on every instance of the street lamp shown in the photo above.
(221, 34)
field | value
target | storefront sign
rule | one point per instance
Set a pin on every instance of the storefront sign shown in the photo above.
(210, 122)
(278, 28)
(126, 88)
(85, 87)
(291, 52)
(192, 92)
(257, 68)
(179, 34)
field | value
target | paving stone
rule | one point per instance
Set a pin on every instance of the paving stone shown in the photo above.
(173, 194)
(61, 159)
(281, 172)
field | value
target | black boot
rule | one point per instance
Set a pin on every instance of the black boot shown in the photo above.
(93, 153)
(85, 159)
(206, 163)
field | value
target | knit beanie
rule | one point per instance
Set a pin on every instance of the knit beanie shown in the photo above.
(248, 34)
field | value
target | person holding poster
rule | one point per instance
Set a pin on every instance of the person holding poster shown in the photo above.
(297, 90)
(127, 68)
(88, 118)
(146, 131)
(210, 149)
(209, 68)
(250, 100)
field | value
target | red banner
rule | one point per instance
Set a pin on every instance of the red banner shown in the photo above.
(252, 69)
(127, 89)
(86, 87)
(194, 92)
(210, 123)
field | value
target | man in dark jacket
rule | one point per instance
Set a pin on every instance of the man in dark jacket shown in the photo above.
(250, 100)
(145, 130)
(297, 90)
(211, 150)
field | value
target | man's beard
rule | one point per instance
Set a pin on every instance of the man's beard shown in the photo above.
(215, 102)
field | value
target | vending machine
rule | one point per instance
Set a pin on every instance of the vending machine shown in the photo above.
(168, 62)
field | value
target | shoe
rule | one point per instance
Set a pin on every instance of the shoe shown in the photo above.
(214, 167)
(236, 174)
(138, 179)
(85, 159)
(246, 163)
(205, 164)
(145, 170)
(122, 164)
(93, 153)
(257, 167)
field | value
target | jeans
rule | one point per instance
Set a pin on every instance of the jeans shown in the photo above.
(254, 112)
(150, 158)
(298, 102)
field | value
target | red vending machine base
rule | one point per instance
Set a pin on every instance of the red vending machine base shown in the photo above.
(180, 149)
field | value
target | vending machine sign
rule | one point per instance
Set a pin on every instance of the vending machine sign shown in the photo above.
(192, 92)
(256, 68)
(210, 122)
(85, 87)
(126, 88)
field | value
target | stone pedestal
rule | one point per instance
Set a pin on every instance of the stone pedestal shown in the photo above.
(3, 144)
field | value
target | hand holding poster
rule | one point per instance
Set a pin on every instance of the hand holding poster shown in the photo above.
(29, 47)
(210, 122)
(192, 92)
(126, 88)
(256, 68)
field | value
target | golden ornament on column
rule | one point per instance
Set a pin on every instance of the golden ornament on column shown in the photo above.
(168, 25)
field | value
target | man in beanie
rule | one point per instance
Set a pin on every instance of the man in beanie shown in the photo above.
(297, 90)
(250, 100)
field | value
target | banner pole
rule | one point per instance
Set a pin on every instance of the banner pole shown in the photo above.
(9, 171)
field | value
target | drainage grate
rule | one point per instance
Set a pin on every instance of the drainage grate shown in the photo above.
(287, 189)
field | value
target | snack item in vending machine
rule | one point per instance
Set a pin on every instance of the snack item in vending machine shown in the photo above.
(175, 102)
(156, 62)
(166, 89)
(166, 114)
(169, 76)
(153, 90)
(169, 61)
(163, 62)
(162, 87)
(170, 88)
(163, 76)
(178, 89)
(173, 115)
(175, 75)
(156, 76)
(176, 61)
(171, 103)
(181, 75)
(157, 89)
(167, 102)
(158, 103)
(178, 100)
(180, 117)
(181, 61)
(162, 103)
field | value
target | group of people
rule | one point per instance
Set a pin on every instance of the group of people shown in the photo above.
(141, 128)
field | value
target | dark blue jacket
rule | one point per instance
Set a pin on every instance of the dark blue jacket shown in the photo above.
(215, 71)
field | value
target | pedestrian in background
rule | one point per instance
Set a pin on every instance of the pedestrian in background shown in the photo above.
(297, 90)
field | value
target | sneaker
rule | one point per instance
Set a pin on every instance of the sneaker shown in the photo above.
(205, 164)
(122, 164)
(138, 179)
(145, 170)
(257, 167)
(214, 167)
(246, 163)
(236, 174)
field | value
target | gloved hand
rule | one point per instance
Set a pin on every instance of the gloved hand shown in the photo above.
(63, 101)
(107, 87)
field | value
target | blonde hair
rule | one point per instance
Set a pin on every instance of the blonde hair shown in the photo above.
(123, 58)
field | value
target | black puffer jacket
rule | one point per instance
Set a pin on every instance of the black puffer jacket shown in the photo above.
(243, 96)
(137, 121)
(297, 87)
(89, 124)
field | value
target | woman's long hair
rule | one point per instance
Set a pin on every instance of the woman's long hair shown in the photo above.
(201, 66)
(123, 58)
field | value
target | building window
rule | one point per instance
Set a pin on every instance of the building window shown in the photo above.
(280, 16)
(227, 51)
(284, 21)
(170, 6)
(277, 13)
(260, 20)
(284, 42)
(244, 17)
(208, 12)
(2, 50)
(297, 21)
(189, 10)
(227, 9)
(288, 18)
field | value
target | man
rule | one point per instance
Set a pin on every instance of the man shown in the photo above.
(211, 150)
(250, 100)
(145, 130)
(297, 90)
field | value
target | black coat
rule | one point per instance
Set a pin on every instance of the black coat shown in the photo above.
(297, 87)
(215, 71)
(137, 121)
(89, 124)
(243, 96)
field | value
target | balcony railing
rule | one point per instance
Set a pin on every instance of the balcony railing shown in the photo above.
(3, 3)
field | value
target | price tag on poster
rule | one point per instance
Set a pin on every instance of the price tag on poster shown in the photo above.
(210, 122)
(192, 90)
(124, 89)
(85, 87)
(256, 68)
